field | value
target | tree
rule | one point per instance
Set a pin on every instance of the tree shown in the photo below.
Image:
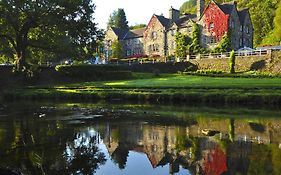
(262, 13)
(47, 25)
(137, 26)
(277, 23)
(195, 39)
(182, 42)
(118, 19)
(117, 49)
(188, 7)
(224, 44)
(274, 38)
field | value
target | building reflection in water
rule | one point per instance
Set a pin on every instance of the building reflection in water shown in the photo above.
(208, 146)
(229, 152)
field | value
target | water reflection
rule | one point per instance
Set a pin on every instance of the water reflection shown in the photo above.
(113, 141)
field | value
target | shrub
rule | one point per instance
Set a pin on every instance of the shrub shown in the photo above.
(93, 72)
(232, 62)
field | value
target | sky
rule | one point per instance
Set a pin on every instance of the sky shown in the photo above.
(137, 11)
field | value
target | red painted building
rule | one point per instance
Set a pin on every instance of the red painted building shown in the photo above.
(217, 19)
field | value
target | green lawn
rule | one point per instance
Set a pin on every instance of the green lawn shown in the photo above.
(189, 81)
(175, 88)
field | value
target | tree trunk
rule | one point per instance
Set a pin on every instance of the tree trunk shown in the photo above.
(20, 61)
(20, 52)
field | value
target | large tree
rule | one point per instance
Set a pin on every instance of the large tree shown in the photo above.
(52, 25)
(118, 19)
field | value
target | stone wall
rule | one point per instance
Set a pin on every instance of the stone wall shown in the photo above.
(243, 64)
(154, 44)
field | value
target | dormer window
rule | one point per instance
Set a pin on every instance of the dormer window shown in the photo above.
(211, 26)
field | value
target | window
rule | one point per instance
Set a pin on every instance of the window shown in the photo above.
(109, 42)
(173, 32)
(136, 41)
(189, 29)
(155, 47)
(211, 26)
(173, 45)
(212, 40)
(150, 48)
(232, 24)
(154, 35)
(247, 29)
(128, 52)
(204, 40)
(240, 42)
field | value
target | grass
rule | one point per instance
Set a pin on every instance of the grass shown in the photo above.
(188, 81)
(165, 88)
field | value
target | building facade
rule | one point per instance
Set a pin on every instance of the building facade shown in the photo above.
(158, 38)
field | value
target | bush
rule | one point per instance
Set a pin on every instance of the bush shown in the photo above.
(93, 72)
(232, 62)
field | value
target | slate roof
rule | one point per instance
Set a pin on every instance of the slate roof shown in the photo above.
(227, 8)
(242, 14)
(164, 21)
(137, 33)
(120, 33)
(183, 20)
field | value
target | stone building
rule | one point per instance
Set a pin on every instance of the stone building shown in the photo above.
(158, 38)
(131, 40)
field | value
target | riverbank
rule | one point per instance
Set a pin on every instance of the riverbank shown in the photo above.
(166, 88)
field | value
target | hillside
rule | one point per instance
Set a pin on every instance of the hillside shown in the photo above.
(266, 18)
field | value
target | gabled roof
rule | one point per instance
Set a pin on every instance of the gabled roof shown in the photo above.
(242, 14)
(137, 33)
(185, 19)
(228, 7)
(120, 33)
(164, 21)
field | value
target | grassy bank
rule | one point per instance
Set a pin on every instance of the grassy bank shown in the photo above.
(170, 88)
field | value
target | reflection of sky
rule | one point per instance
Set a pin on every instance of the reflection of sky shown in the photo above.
(137, 164)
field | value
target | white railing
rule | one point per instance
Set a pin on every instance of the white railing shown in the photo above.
(226, 54)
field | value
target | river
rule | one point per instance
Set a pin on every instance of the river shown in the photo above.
(138, 139)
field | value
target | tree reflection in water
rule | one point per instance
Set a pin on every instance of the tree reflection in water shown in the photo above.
(65, 146)
(82, 155)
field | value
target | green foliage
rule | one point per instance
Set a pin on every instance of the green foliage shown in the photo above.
(117, 50)
(118, 19)
(195, 39)
(232, 62)
(224, 44)
(264, 15)
(47, 27)
(274, 37)
(93, 72)
(182, 42)
(137, 26)
(188, 7)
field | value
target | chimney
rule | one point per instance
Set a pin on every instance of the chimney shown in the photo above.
(200, 8)
(174, 14)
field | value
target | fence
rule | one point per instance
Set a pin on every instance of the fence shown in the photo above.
(244, 53)
(224, 55)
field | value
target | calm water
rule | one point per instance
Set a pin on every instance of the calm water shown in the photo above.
(110, 139)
